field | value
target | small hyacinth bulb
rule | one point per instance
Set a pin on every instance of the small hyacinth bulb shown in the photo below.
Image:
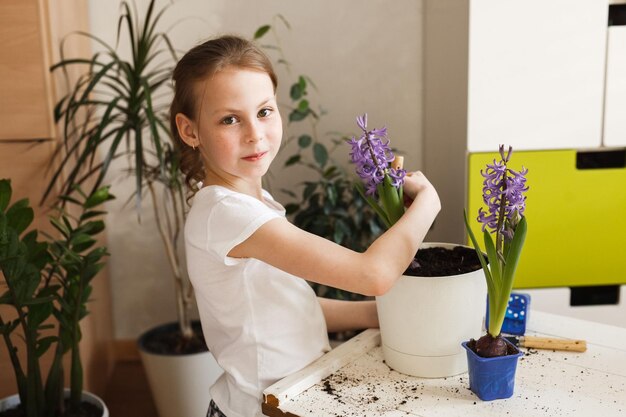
(489, 346)
(398, 162)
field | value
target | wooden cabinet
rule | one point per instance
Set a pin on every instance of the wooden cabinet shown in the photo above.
(575, 218)
(527, 74)
(549, 79)
(25, 99)
(30, 34)
(535, 75)
(614, 133)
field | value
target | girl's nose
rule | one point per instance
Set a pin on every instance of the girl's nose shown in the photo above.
(254, 132)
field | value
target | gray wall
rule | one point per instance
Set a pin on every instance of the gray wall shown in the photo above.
(364, 56)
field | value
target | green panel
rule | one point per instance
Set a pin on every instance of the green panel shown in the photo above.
(576, 219)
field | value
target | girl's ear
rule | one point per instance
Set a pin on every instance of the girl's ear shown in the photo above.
(186, 130)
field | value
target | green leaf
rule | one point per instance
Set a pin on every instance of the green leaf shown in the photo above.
(292, 160)
(81, 242)
(5, 193)
(296, 92)
(38, 313)
(388, 195)
(43, 345)
(60, 227)
(261, 31)
(93, 213)
(89, 272)
(339, 232)
(481, 257)
(320, 154)
(330, 172)
(508, 276)
(304, 141)
(494, 261)
(96, 254)
(373, 204)
(331, 194)
(303, 106)
(291, 208)
(19, 217)
(515, 250)
(491, 288)
(296, 115)
(343, 228)
(70, 199)
(289, 192)
(302, 84)
(98, 197)
(92, 228)
(39, 300)
(5, 298)
(309, 190)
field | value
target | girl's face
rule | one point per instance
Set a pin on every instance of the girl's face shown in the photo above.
(238, 127)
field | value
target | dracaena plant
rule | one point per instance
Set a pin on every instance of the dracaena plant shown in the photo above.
(47, 284)
(504, 232)
(383, 178)
(114, 111)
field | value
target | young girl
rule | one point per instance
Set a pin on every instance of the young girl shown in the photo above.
(247, 263)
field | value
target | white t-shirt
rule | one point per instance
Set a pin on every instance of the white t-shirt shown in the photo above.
(260, 323)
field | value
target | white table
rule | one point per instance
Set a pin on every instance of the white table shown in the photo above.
(352, 380)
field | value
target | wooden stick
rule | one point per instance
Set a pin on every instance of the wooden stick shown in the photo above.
(555, 344)
(398, 162)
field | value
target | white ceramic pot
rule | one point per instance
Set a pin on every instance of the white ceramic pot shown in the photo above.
(423, 321)
(180, 383)
(12, 401)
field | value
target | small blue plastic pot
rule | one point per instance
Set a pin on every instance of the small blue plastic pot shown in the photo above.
(492, 378)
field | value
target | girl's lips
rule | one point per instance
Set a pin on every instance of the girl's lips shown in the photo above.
(254, 157)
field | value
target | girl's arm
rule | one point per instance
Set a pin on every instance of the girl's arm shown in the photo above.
(344, 315)
(373, 272)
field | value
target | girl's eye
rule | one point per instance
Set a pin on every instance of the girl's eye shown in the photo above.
(265, 112)
(230, 120)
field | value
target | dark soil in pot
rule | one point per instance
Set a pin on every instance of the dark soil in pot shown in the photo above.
(439, 262)
(168, 340)
(85, 409)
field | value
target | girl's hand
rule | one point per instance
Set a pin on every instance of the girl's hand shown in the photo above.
(415, 183)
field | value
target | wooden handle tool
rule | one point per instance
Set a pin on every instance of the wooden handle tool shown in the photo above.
(553, 344)
(398, 162)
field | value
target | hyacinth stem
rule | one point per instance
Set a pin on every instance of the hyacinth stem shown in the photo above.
(398, 164)
(370, 147)
(501, 216)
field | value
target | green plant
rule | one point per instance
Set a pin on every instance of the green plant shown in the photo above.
(328, 205)
(112, 110)
(374, 162)
(44, 279)
(503, 193)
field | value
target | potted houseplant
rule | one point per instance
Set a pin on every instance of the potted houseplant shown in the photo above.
(112, 112)
(48, 280)
(492, 360)
(428, 311)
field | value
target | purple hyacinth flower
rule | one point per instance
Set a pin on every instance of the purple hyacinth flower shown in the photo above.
(397, 176)
(503, 194)
(372, 154)
(362, 122)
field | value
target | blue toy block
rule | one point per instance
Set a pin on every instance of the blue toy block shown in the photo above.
(516, 314)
